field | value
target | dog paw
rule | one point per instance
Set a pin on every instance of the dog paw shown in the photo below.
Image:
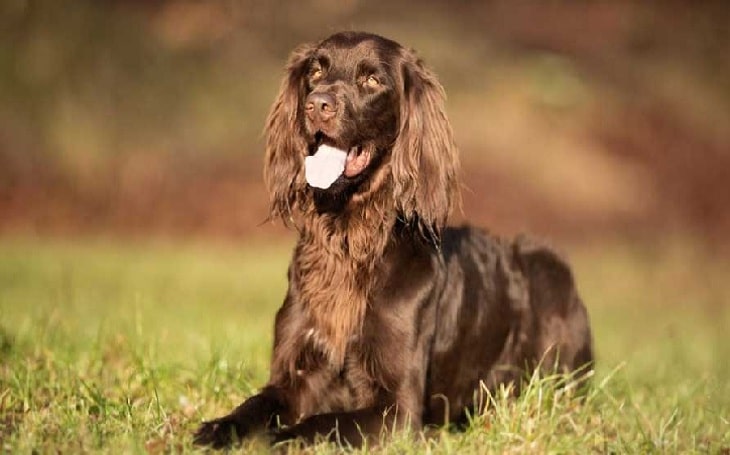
(282, 435)
(218, 433)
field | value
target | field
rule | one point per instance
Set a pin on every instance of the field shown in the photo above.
(124, 347)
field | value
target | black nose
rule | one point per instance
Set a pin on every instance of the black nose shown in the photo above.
(322, 105)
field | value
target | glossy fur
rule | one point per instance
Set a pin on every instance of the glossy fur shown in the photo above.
(391, 319)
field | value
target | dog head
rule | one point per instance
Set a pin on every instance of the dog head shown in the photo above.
(358, 115)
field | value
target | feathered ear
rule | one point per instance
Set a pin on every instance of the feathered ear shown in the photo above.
(425, 161)
(285, 144)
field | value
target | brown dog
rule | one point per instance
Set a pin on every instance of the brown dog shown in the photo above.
(391, 319)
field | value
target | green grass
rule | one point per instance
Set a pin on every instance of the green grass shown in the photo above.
(125, 348)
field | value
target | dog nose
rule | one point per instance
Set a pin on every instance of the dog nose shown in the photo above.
(322, 105)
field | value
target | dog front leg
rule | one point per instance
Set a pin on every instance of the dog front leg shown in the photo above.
(256, 414)
(352, 428)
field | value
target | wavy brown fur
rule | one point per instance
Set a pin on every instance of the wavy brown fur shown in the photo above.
(337, 253)
(391, 320)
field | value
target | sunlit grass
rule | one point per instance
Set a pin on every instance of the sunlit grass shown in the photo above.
(125, 348)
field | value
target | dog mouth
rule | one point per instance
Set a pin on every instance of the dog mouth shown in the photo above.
(358, 159)
(329, 160)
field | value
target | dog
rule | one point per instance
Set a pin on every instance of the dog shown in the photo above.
(391, 319)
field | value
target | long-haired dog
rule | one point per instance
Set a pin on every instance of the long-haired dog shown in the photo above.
(391, 319)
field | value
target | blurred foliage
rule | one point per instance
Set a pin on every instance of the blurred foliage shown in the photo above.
(573, 118)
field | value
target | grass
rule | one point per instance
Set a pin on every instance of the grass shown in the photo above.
(125, 348)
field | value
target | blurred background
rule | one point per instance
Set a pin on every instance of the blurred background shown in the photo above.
(577, 121)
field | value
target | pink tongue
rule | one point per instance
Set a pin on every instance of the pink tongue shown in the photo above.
(325, 166)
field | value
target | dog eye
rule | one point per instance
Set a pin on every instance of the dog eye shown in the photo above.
(316, 73)
(372, 81)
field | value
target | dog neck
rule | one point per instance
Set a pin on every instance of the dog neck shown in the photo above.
(335, 268)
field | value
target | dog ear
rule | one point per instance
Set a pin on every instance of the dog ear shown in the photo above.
(425, 161)
(285, 145)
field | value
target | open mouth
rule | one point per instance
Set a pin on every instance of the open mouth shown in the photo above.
(357, 161)
(328, 160)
